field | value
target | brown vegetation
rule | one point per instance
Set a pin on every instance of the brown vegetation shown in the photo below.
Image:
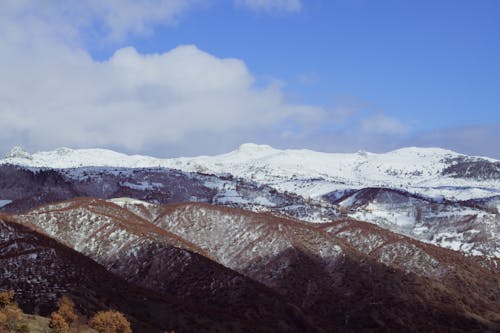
(66, 309)
(110, 322)
(57, 324)
(10, 314)
(6, 297)
(61, 320)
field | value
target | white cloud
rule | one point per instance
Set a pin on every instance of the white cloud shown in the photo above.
(53, 93)
(271, 5)
(133, 100)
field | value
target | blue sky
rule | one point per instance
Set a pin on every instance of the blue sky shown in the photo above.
(330, 75)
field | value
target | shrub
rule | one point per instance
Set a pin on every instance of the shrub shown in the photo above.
(6, 297)
(66, 309)
(12, 315)
(110, 322)
(57, 324)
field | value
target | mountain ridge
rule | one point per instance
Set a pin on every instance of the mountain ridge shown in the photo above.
(433, 172)
(38, 158)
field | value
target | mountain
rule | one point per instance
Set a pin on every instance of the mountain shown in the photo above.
(472, 227)
(259, 239)
(371, 281)
(198, 295)
(22, 189)
(300, 184)
(429, 171)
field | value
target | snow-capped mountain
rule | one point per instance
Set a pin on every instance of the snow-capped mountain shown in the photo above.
(429, 171)
(417, 193)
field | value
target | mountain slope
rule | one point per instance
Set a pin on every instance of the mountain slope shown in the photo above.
(40, 270)
(153, 258)
(22, 189)
(336, 280)
(470, 226)
(320, 272)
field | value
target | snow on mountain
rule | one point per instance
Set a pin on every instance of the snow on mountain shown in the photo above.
(73, 158)
(312, 174)
(24, 189)
(4, 202)
(257, 177)
(431, 171)
(468, 228)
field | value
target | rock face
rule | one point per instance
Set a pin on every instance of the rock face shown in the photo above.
(346, 275)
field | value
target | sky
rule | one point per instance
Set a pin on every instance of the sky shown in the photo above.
(188, 77)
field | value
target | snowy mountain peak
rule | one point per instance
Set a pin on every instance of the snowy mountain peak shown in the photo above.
(62, 151)
(423, 151)
(250, 147)
(18, 152)
(68, 158)
(255, 150)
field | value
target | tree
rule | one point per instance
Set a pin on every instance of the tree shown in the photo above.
(57, 324)
(13, 316)
(6, 297)
(67, 309)
(10, 314)
(110, 322)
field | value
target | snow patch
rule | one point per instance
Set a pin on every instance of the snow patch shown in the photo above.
(122, 202)
(4, 202)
